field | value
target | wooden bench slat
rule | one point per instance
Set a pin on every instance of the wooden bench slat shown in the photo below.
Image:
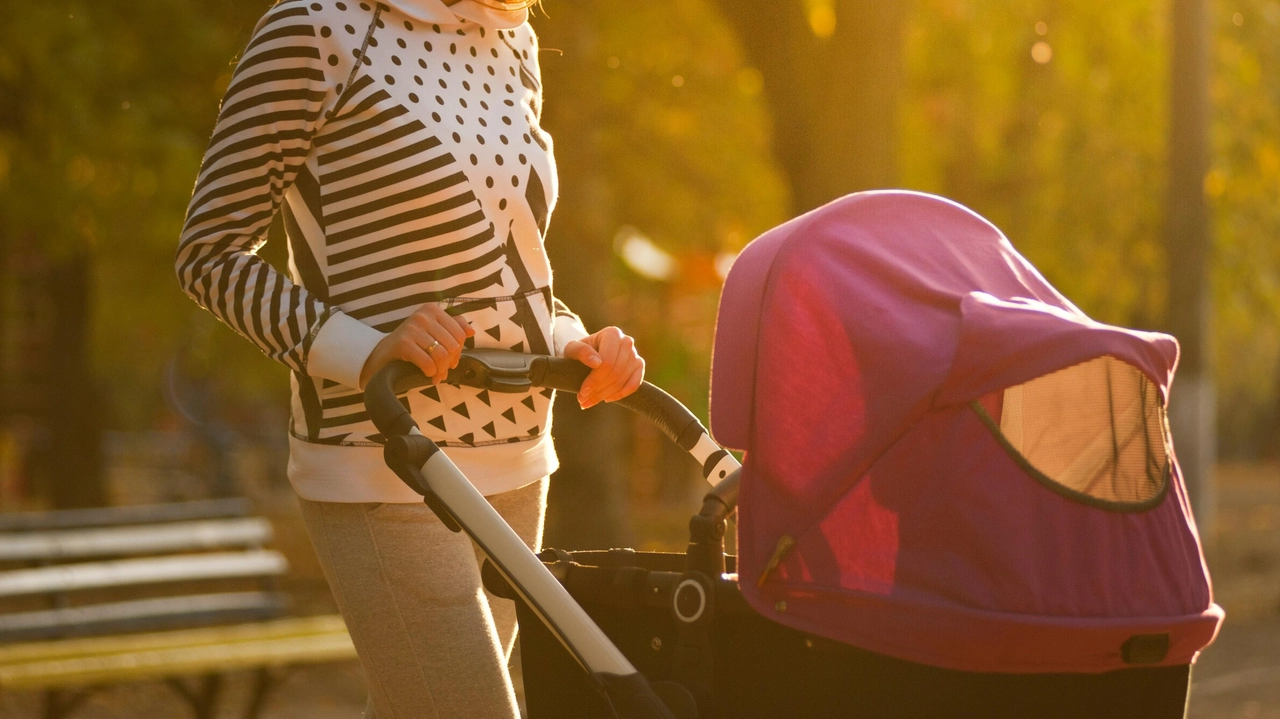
(136, 514)
(107, 549)
(178, 661)
(135, 615)
(153, 539)
(154, 641)
(124, 572)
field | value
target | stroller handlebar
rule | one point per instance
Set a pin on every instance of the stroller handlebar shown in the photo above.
(457, 503)
(512, 372)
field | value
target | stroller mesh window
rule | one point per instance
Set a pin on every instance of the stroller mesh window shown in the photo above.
(1095, 431)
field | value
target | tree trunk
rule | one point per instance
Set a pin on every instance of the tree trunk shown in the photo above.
(855, 139)
(73, 410)
(1271, 433)
(1187, 234)
(587, 506)
(777, 41)
(7, 354)
(588, 498)
(833, 100)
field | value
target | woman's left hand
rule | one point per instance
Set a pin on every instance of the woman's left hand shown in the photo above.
(616, 368)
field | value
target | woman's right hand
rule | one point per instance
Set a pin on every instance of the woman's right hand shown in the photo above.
(430, 338)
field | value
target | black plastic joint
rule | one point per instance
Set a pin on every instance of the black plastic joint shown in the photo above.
(402, 424)
(706, 545)
(703, 527)
(405, 455)
(688, 437)
(409, 452)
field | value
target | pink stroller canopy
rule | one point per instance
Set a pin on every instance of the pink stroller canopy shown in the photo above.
(947, 461)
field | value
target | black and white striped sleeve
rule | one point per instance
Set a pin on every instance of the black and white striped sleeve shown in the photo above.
(284, 84)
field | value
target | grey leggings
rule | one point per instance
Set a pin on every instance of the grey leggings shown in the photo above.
(433, 643)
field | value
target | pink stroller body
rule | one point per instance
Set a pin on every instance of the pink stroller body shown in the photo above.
(968, 473)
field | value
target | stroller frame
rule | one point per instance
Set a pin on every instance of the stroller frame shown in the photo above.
(419, 463)
(587, 619)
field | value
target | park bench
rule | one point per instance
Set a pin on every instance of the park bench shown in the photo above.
(174, 592)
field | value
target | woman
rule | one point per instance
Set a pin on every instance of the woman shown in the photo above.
(401, 143)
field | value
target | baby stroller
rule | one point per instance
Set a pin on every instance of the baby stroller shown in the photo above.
(959, 499)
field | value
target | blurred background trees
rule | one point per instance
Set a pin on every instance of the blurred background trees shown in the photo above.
(662, 143)
(683, 129)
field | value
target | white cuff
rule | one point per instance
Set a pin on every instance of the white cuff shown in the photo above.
(565, 329)
(341, 348)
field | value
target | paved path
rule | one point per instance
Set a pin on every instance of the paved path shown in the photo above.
(333, 691)
(1238, 677)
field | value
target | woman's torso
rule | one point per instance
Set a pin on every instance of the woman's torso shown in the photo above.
(429, 181)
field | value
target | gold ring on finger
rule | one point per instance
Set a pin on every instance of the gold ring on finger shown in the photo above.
(433, 346)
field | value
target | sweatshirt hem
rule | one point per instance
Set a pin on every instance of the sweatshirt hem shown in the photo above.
(439, 443)
(345, 473)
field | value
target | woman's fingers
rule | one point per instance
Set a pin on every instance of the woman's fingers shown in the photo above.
(620, 379)
(440, 355)
(430, 338)
(449, 345)
(631, 385)
(458, 327)
(432, 325)
(409, 349)
(604, 343)
(619, 366)
(621, 352)
(582, 352)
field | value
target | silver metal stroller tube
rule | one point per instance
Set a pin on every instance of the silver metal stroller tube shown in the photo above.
(460, 506)
(522, 569)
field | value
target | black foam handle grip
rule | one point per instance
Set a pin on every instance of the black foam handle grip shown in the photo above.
(392, 418)
(673, 418)
(388, 415)
(666, 412)
(565, 375)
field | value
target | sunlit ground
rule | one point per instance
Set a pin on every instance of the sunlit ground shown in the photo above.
(1239, 675)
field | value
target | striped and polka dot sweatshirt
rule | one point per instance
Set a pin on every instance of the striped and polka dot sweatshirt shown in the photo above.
(401, 143)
